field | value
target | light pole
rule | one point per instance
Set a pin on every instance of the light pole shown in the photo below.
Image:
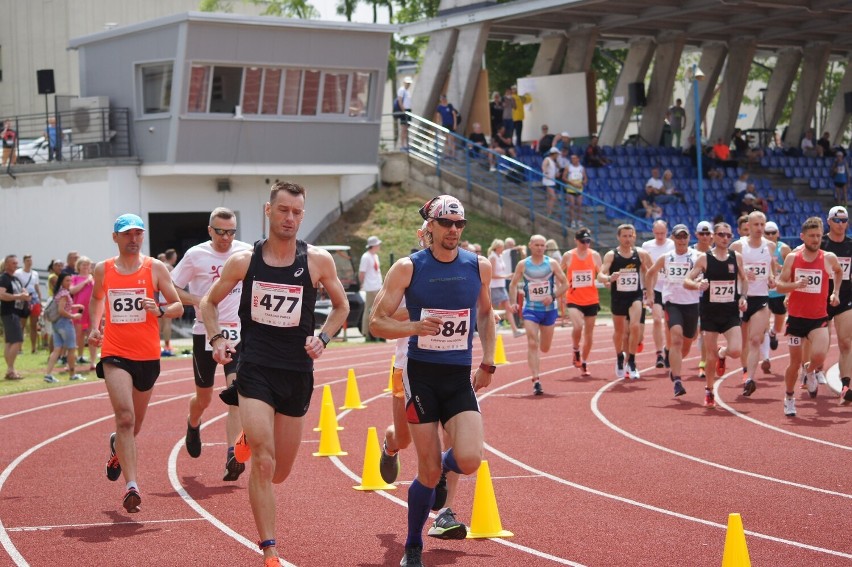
(697, 75)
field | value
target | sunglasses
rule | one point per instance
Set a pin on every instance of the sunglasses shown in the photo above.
(725, 234)
(224, 231)
(447, 223)
(838, 220)
(770, 232)
(704, 233)
(585, 240)
(681, 236)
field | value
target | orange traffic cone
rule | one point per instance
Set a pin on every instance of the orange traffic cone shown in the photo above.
(353, 398)
(736, 551)
(371, 478)
(329, 444)
(390, 377)
(499, 351)
(485, 520)
(326, 399)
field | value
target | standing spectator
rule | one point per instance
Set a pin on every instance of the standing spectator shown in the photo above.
(496, 111)
(12, 299)
(840, 176)
(53, 149)
(448, 117)
(594, 155)
(71, 263)
(370, 278)
(508, 112)
(10, 139)
(64, 337)
(81, 288)
(676, 115)
(403, 105)
(549, 169)
(55, 268)
(29, 278)
(518, 113)
(546, 141)
(575, 182)
(169, 259)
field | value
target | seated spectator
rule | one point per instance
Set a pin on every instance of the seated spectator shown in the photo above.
(741, 184)
(721, 152)
(669, 192)
(809, 147)
(478, 139)
(646, 206)
(742, 151)
(545, 142)
(825, 144)
(594, 155)
(655, 182)
(562, 141)
(502, 145)
(748, 204)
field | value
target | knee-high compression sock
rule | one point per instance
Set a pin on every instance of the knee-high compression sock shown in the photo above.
(448, 461)
(420, 500)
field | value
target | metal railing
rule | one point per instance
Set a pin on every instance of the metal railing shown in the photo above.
(509, 179)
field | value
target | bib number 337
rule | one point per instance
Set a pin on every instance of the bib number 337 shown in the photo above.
(277, 305)
(453, 335)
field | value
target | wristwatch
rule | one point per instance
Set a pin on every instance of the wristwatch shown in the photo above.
(490, 368)
(162, 311)
(324, 338)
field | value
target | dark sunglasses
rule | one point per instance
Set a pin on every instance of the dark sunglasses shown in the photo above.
(770, 232)
(838, 220)
(224, 231)
(725, 234)
(447, 223)
(585, 240)
(681, 236)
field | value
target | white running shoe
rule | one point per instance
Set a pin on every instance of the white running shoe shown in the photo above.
(634, 373)
(619, 371)
(789, 407)
(811, 384)
(821, 377)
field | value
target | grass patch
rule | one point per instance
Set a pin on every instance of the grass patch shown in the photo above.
(33, 366)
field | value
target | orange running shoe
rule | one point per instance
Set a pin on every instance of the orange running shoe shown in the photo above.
(242, 451)
(272, 562)
(640, 348)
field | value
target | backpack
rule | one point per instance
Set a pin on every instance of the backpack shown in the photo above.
(51, 311)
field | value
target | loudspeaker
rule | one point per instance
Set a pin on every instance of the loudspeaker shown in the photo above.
(45, 81)
(847, 102)
(636, 93)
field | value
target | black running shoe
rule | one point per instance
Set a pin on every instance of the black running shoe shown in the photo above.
(577, 361)
(773, 341)
(679, 390)
(233, 469)
(440, 493)
(537, 391)
(749, 387)
(389, 466)
(413, 556)
(113, 468)
(661, 362)
(193, 440)
(446, 526)
(132, 500)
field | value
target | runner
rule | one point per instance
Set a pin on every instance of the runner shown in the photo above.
(840, 245)
(125, 288)
(199, 268)
(657, 247)
(544, 281)
(704, 236)
(721, 302)
(624, 269)
(275, 375)
(805, 277)
(581, 266)
(776, 300)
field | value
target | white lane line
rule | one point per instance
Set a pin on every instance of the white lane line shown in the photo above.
(100, 525)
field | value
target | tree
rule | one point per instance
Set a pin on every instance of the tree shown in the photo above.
(288, 8)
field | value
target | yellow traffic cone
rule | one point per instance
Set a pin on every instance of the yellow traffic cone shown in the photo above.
(390, 377)
(485, 519)
(329, 444)
(326, 399)
(371, 477)
(353, 398)
(736, 551)
(499, 351)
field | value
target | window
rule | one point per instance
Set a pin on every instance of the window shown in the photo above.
(225, 89)
(310, 93)
(156, 88)
(199, 85)
(360, 95)
(251, 91)
(334, 91)
(292, 88)
(271, 90)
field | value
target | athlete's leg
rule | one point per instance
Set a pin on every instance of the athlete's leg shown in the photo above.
(129, 406)
(533, 342)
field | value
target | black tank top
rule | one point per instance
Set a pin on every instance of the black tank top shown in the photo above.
(274, 327)
(843, 251)
(720, 274)
(631, 268)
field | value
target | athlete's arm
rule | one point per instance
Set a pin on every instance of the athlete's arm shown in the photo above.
(603, 274)
(654, 272)
(232, 272)
(690, 281)
(485, 326)
(833, 267)
(561, 280)
(163, 283)
(96, 306)
(743, 277)
(323, 271)
(383, 324)
(566, 261)
(513, 286)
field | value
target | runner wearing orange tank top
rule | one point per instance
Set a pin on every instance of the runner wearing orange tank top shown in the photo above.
(125, 289)
(805, 277)
(581, 266)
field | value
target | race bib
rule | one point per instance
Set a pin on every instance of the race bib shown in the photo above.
(759, 269)
(627, 281)
(276, 305)
(581, 278)
(230, 332)
(844, 263)
(813, 279)
(539, 290)
(127, 305)
(455, 326)
(676, 271)
(721, 291)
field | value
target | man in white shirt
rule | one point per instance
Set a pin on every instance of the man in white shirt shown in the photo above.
(403, 104)
(661, 244)
(370, 278)
(193, 276)
(30, 280)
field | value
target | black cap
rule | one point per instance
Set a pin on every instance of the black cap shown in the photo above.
(582, 233)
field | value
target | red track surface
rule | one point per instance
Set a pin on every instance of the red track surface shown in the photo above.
(595, 472)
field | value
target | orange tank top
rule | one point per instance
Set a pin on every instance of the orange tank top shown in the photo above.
(130, 331)
(581, 280)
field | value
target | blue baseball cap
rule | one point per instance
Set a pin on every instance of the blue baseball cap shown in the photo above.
(128, 222)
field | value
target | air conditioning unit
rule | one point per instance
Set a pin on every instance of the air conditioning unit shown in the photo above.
(89, 120)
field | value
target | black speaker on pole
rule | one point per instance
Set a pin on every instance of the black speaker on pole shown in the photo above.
(847, 102)
(636, 93)
(45, 81)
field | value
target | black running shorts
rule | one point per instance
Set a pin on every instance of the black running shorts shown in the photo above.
(802, 327)
(719, 324)
(587, 310)
(776, 305)
(684, 315)
(203, 365)
(143, 372)
(287, 391)
(754, 304)
(437, 392)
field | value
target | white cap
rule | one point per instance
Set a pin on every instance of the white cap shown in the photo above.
(408, 80)
(566, 135)
(373, 241)
(553, 151)
(771, 227)
(838, 211)
(704, 226)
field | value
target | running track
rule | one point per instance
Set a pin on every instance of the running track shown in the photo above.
(595, 472)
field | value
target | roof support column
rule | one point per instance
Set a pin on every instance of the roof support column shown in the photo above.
(733, 88)
(712, 60)
(581, 49)
(838, 117)
(666, 62)
(778, 88)
(814, 65)
(433, 72)
(467, 64)
(619, 110)
(550, 54)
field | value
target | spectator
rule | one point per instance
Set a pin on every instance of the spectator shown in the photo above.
(669, 192)
(55, 268)
(63, 330)
(562, 142)
(501, 144)
(748, 204)
(655, 182)
(575, 181)
(549, 169)
(165, 323)
(676, 115)
(518, 113)
(546, 141)
(499, 275)
(80, 289)
(9, 138)
(721, 152)
(824, 144)
(478, 139)
(448, 116)
(13, 296)
(808, 146)
(594, 155)
(53, 149)
(840, 176)
(71, 263)
(508, 109)
(741, 184)
(646, 206)
(29, 278)
(496, 109)
(370, 278)
(403, 105)
(742, 151)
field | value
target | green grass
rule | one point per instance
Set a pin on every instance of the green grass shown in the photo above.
(32, 366)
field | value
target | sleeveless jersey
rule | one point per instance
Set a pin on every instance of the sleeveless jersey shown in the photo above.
(627, 287)
(538, 284)
(811, 301)
(277, 312)
(759, 262)
(130, 331)
(582, 274)
(676, 267)
(449, 291)
(780, 261)
(843, 251)
(722, 295)
(656, 250)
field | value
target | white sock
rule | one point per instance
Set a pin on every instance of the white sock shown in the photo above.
(132, 484)
(764, 348)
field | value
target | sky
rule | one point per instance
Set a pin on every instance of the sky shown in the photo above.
(363, 14)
